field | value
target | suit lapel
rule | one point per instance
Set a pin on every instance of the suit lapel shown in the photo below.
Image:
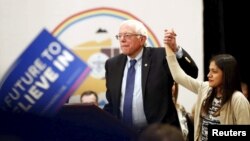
(146, 63)
(118, 75)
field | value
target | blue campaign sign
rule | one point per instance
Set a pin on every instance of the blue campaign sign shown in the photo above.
(42, 78)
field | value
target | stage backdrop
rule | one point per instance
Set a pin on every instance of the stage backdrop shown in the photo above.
(88, 28)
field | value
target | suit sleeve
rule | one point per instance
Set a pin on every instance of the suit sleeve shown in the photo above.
(107, 107)
(188, 64)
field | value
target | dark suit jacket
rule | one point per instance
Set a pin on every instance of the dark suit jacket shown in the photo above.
(156, 84)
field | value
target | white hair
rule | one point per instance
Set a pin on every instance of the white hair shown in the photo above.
(138, 26)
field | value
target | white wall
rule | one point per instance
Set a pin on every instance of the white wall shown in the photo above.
(21, 21)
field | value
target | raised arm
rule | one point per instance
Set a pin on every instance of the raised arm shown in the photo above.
(178, 73)
(184, 59)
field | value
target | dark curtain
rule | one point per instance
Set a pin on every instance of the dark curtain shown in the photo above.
(226, 29)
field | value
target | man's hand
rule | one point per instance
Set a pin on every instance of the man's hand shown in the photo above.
(170, 39)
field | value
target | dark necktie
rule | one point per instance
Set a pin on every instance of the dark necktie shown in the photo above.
(127, 108)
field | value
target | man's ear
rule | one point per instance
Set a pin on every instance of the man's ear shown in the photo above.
(143, 39)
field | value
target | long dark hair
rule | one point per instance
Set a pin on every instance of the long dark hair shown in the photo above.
(231, 79)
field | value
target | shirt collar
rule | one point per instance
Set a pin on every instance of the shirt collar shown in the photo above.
(138, 57)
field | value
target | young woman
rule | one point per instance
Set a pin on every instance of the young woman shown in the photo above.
(219, 100)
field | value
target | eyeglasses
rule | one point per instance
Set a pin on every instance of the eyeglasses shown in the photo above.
(126, 35)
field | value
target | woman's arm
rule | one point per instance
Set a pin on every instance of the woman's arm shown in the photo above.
(177, 72)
